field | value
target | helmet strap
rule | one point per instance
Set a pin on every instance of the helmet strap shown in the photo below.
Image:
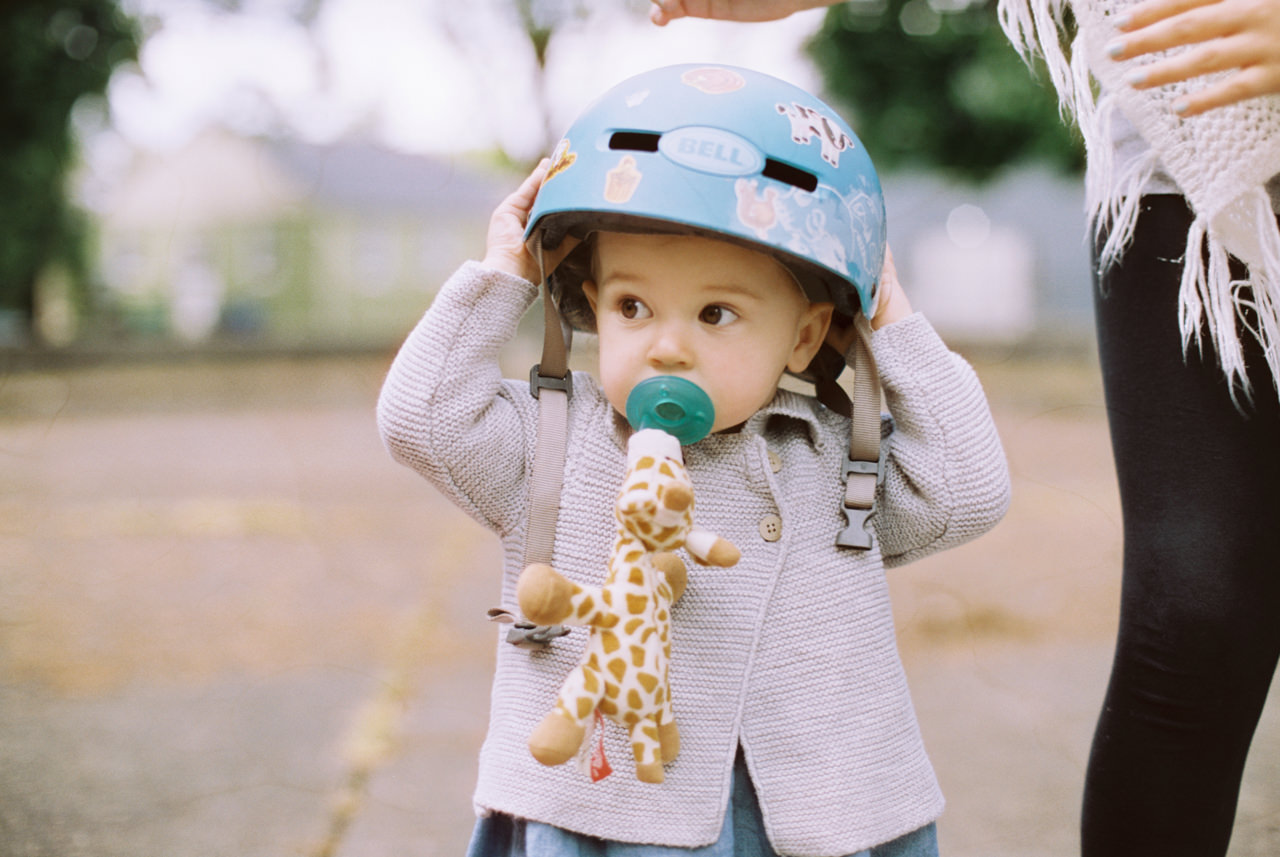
(862, 464)
(551, 384)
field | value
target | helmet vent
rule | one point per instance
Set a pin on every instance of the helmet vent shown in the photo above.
(634, 141)
(788, 174)
(645, 141)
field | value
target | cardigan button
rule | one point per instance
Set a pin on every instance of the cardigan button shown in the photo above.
(770, 528)
(775, 461)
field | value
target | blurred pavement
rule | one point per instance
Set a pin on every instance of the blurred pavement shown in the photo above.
(230, 625)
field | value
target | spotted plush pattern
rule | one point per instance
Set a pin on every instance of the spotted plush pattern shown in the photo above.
(625, 666)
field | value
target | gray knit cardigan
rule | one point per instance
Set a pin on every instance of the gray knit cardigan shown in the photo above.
(790, 653)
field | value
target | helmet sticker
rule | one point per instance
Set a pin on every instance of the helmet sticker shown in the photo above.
(807, 123)
(841, 233)
(713, 81)
(757, 211)
(561, 160)
(635, 99)
(621, 182)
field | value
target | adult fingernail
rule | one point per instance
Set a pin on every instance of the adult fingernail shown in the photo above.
(1116, 48)
(1122, 20)
(1135, 77)
(1181, 105)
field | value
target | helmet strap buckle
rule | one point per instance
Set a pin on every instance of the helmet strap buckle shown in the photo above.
(855, 534)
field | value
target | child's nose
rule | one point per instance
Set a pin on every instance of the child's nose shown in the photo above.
(670, 348)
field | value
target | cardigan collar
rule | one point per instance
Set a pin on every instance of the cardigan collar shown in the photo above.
(786, 404)
(790, 405)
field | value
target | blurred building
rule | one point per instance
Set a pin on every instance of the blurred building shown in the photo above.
(1005, 263)
(284, 244)
(281, 244)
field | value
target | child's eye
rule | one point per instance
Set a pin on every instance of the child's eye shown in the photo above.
(717, 315)
(633, 309)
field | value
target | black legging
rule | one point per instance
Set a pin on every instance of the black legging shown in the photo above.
(1200, 603)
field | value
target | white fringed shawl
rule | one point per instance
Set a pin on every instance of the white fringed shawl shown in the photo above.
(1221, 160)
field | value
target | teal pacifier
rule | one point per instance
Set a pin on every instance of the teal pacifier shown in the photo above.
(676, 406)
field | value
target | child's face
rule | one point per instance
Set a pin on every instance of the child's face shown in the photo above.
(727, 318)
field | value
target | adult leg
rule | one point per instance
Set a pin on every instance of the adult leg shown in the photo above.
(1200, 604)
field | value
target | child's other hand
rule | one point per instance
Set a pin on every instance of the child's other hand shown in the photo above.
(505, 249)
(1240, 36)
(893, 304)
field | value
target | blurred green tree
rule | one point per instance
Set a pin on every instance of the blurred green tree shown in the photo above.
(936, 84)
(51, 55)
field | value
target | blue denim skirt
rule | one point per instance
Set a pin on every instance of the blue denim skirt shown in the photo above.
(742, 835)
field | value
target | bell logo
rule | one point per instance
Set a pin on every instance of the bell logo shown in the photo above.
(711, 150)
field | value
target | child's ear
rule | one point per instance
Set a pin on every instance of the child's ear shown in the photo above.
(590, 292)
(810, 333)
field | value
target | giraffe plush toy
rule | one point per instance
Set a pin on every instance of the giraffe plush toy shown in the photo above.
(623, 671)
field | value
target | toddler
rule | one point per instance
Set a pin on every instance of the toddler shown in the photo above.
(721, 226)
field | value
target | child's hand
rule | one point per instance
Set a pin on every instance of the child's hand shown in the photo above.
(505, 248)
(893, 304)
(1242, 36)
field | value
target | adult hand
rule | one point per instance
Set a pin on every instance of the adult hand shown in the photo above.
(1239, 36)
(505, 248)
(665, 11)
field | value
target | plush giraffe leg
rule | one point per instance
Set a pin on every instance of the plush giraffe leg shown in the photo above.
(557, 738)
(545, 595)
(669, 739)
(673, 568)
(646, 747)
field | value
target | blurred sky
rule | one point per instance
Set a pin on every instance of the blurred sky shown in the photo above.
(425, 76)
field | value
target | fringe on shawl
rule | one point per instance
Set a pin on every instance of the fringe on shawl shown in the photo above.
(1209, 299)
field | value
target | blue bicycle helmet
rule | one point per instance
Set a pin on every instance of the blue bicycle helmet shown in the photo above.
(726, 152)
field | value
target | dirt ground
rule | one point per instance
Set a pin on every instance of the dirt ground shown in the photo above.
(229, 624)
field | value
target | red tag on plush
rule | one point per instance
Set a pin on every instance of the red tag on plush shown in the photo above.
(599, 764)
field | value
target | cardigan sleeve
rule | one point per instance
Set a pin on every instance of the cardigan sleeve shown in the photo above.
(946, 479)
(446, 411)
